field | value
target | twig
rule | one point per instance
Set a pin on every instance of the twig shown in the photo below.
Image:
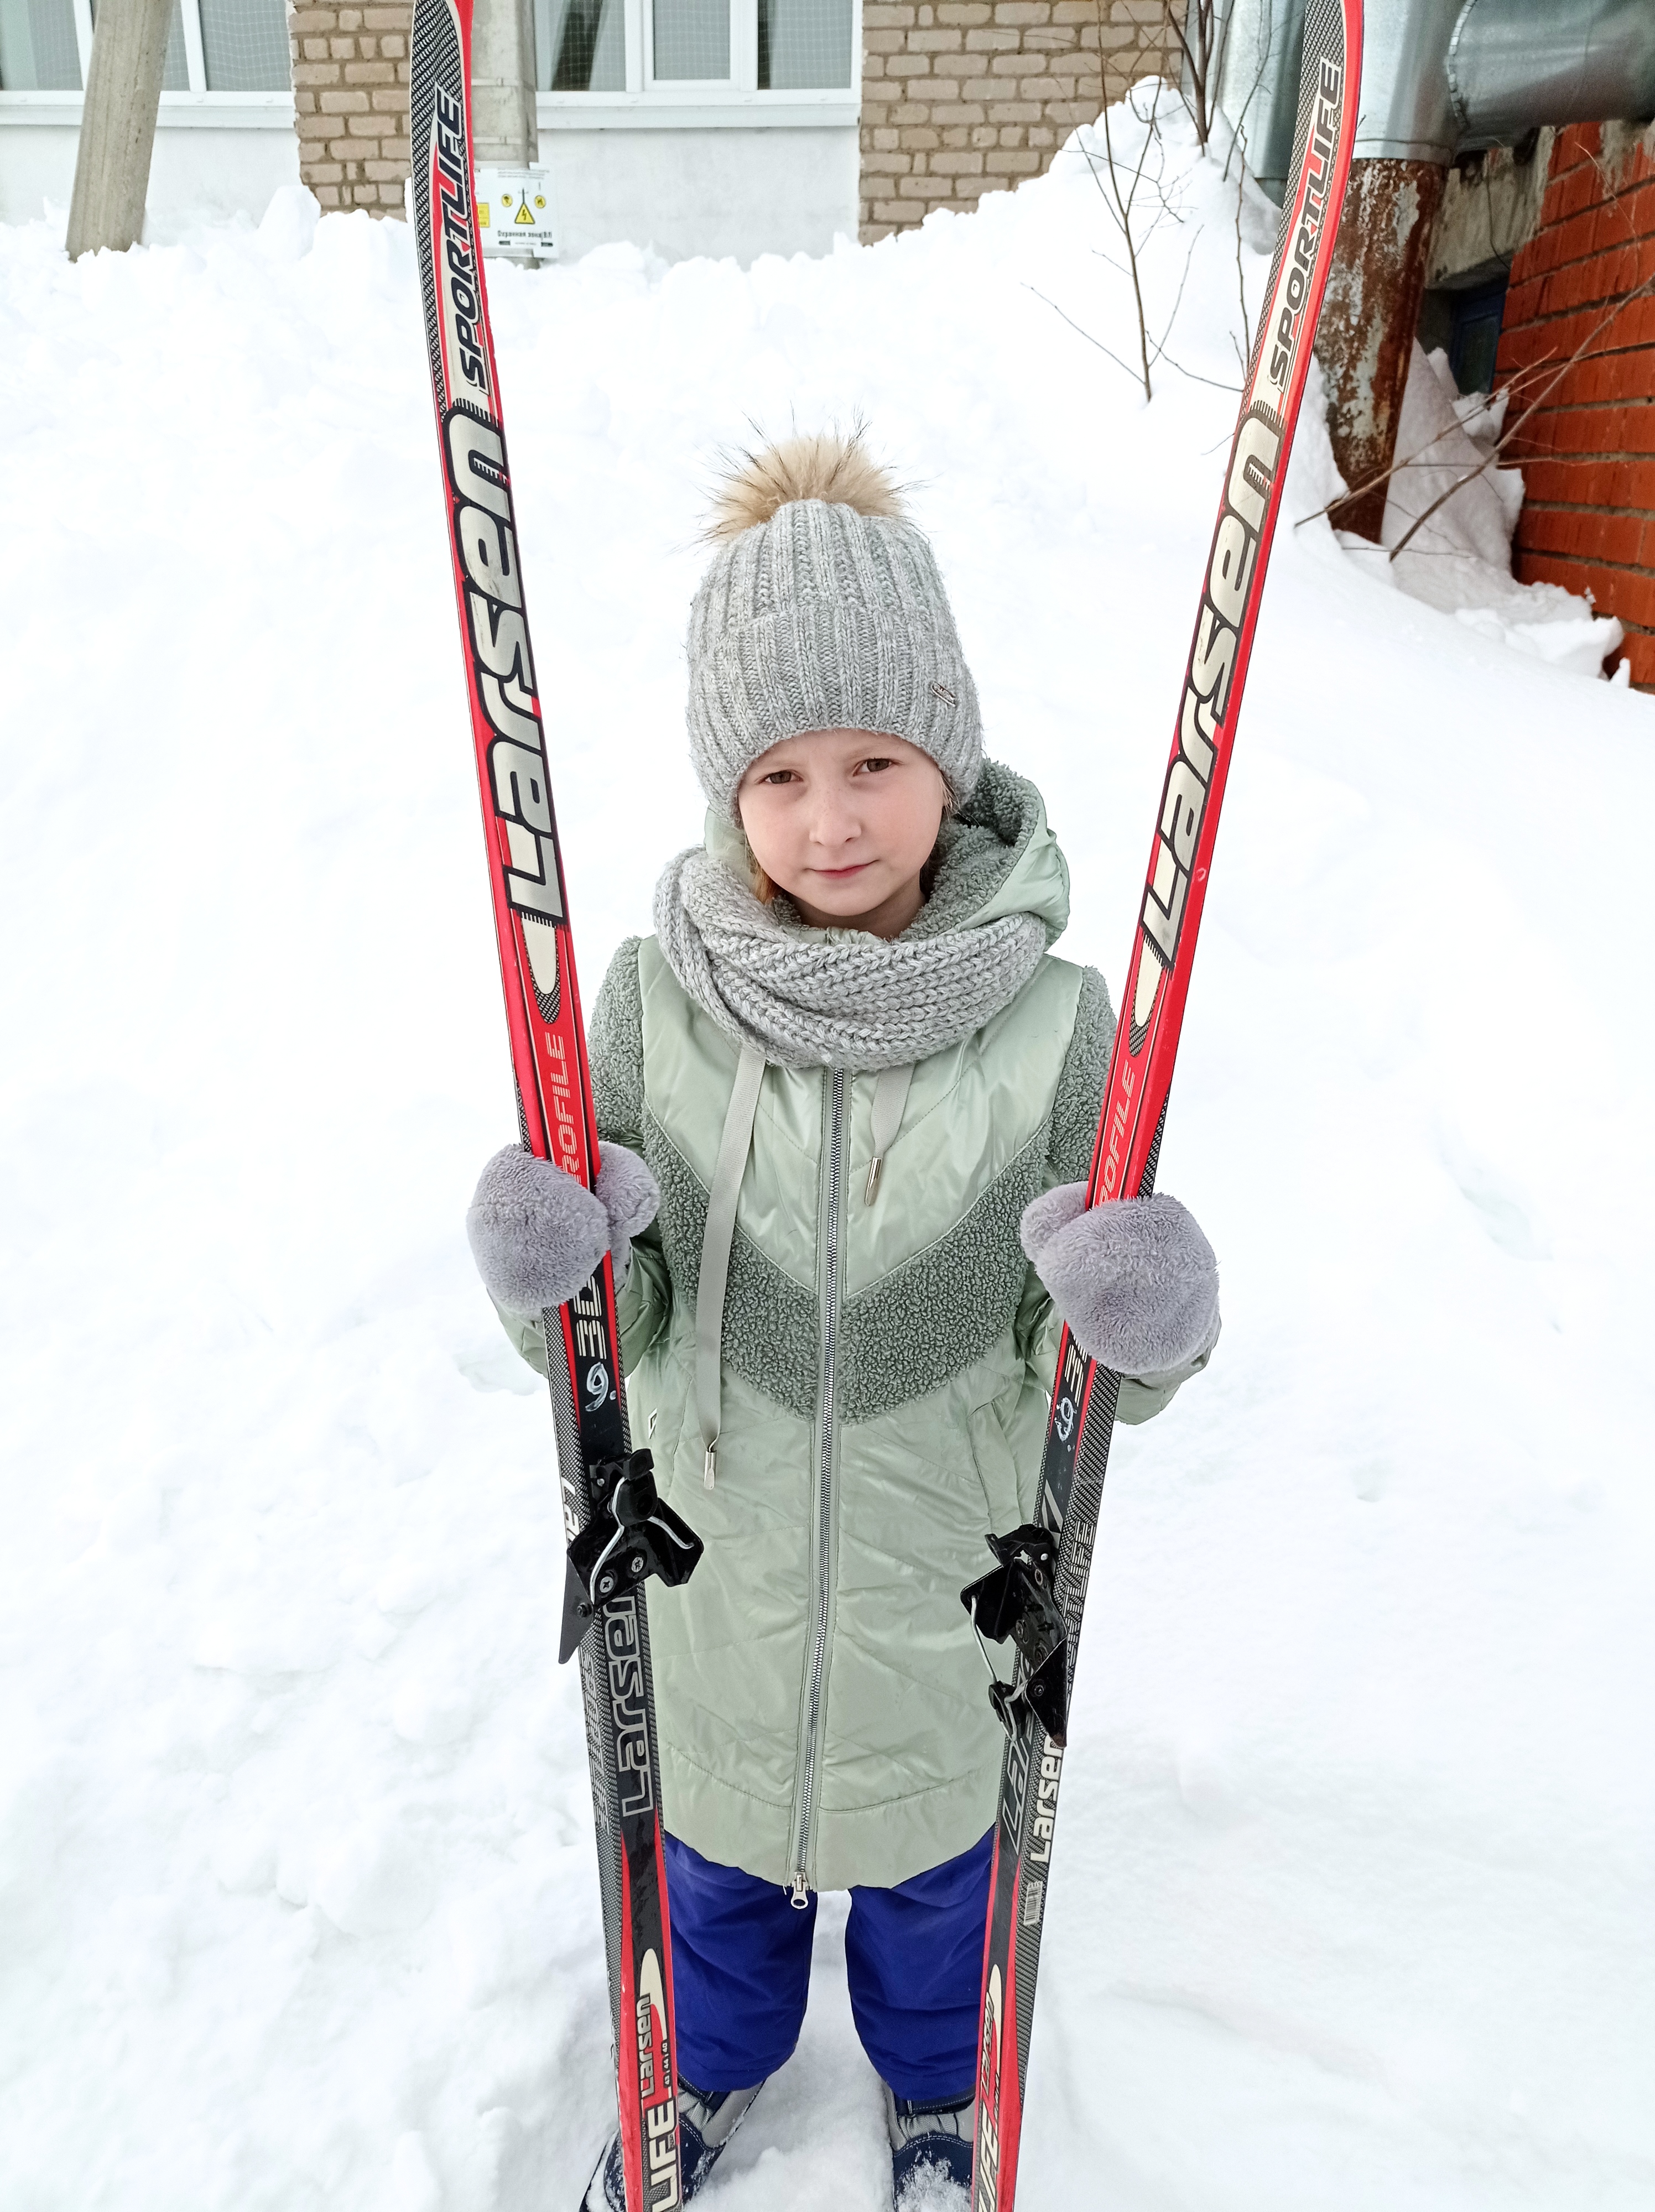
(1179, 299)
(1196, 378)
(1241, 273)
(1203, 56)
(1471, 475)
(1383, 475)
(1120, 204)
(1086, 335)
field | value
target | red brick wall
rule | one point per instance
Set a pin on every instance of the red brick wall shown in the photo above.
(1588, 454)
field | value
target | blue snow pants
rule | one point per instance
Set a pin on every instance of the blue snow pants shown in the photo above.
(913, 1956)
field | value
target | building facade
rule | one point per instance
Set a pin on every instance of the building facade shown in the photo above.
(224, 138)
(746, 126)
(1539, 261)
(963, 97)
(696, 126)
(1577, 344)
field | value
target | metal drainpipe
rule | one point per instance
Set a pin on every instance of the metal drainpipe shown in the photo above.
(1439, 77)
(1512, 64)
(1364, 341)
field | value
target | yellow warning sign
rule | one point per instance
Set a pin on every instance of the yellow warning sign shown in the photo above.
(515, 213)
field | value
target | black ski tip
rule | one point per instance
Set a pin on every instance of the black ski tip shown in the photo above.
(1047, 1692)
(578, 1614)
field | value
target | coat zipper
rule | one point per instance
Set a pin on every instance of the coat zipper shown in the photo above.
(798, 1884)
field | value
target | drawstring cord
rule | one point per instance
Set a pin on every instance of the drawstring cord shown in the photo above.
(715, 1243)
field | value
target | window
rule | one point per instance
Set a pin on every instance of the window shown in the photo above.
(175, 69)
(244, 45)
(803, 45)
(1478, 313)
(214, 46)
(579, 45)
(1464, 316)
(693, 48)
(39, 49)
(692, 40)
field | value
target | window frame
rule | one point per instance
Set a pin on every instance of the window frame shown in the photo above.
(708, 103)
(196, 105)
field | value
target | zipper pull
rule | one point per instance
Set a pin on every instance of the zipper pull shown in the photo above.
(798, 1892)
(710, 1465)
(872, 1190)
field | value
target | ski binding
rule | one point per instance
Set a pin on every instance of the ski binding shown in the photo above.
(1017, 1599)
(630, 1535)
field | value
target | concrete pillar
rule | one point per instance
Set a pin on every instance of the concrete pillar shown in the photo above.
(1365, 338)
(117, 125)
(504, 131)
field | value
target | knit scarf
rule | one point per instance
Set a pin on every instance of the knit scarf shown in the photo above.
(840, 997)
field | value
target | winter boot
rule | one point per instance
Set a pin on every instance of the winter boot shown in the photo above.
(930, 2151)
(705, 2126)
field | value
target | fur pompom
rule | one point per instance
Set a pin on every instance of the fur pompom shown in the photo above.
(834, 465)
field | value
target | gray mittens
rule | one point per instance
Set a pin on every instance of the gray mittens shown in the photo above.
(1133, 1278)
(537, 1234)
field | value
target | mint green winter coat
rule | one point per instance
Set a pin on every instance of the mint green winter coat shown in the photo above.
(823, 1706)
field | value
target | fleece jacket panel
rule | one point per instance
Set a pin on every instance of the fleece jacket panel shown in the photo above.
(822, 1705)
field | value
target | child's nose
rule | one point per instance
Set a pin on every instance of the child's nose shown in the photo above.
(837, 820)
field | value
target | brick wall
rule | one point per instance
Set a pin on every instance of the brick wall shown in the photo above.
(1588, 456)
(959, 97)
(962, 97)
(350, 90)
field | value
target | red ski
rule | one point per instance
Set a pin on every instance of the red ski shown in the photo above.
(1038, 1593)
(618, 1532)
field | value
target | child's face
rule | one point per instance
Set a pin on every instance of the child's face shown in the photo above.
(844, 822)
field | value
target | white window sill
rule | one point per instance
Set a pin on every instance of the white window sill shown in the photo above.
(662, 110)
(696, 109)
(185, 111)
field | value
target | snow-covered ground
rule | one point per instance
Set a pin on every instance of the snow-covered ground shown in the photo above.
(1355, 1903)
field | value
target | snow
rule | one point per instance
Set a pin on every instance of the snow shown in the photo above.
(1354, 1901)
(1450, 514)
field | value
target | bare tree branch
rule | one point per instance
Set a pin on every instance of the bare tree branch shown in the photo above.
(1246, 345)
(1086, 334)
(1196, 377)
(1383, 475)
(1179, 300)
(1639, 292)
(1119, 196)
(1200, 33)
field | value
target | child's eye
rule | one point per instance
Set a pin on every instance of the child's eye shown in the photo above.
(781, 776)
(875, 765)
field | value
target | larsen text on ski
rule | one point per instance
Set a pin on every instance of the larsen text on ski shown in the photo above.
(1134, 1110)
(608, 1498)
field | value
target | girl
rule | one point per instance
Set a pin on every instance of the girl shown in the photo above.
(846, 1096)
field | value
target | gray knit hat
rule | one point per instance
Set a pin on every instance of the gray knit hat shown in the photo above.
(823, 610)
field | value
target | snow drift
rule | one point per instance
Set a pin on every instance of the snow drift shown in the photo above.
(1354, 1902)
(1450, 514)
